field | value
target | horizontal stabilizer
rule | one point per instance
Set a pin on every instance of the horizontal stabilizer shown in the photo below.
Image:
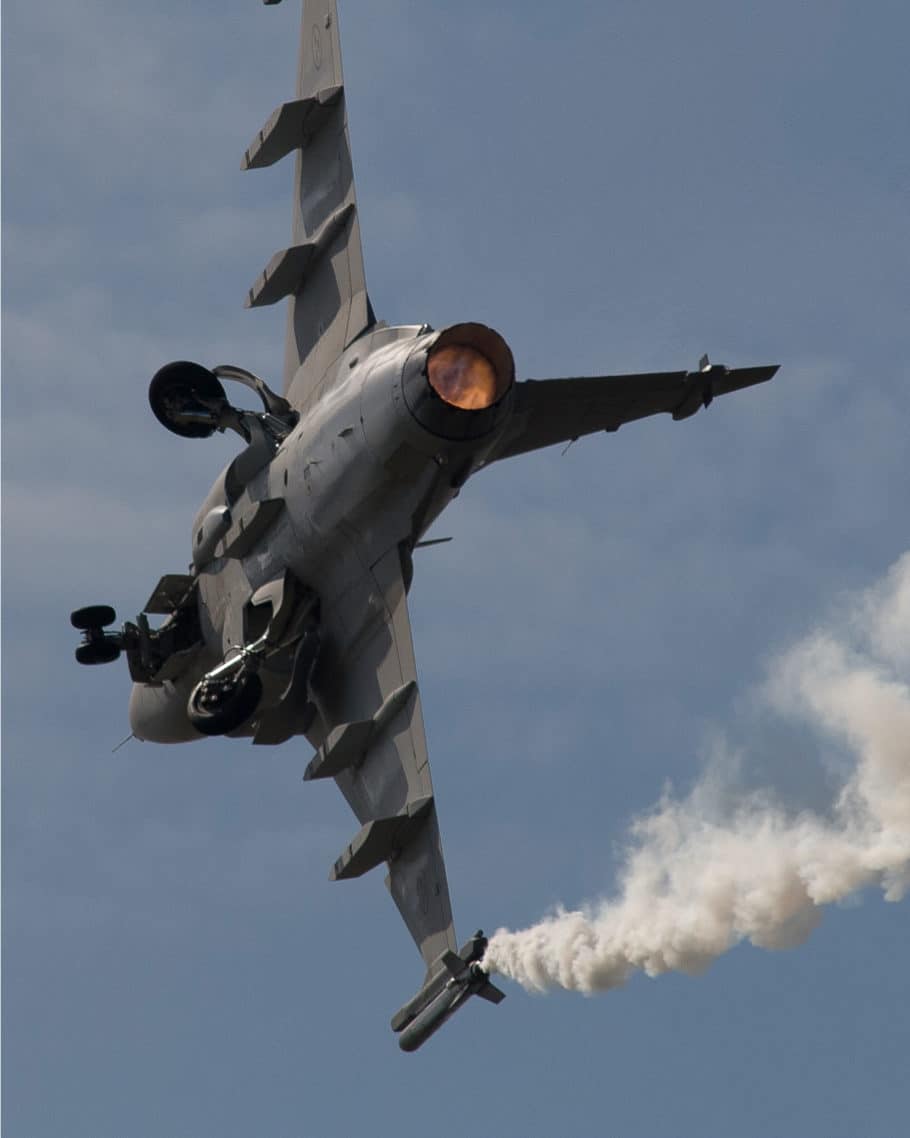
(290, 126)
(287, 271)
(347, 744)
(380, 840)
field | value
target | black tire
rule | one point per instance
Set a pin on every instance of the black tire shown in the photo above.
(216, 709)
(98, 652)
(175, 393)
(93, 616)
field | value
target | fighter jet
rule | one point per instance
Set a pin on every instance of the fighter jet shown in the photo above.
(293, 618)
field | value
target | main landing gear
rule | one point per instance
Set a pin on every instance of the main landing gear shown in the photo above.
(225, 698)
(284, 652)
(190, 400)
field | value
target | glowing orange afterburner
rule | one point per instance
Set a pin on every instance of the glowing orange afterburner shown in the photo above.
(463, 377)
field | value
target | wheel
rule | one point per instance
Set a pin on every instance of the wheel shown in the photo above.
(219, 706)
(181, 395)
(103, 651)
(93, 616)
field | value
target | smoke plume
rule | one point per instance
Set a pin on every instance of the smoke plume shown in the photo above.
(696, 881)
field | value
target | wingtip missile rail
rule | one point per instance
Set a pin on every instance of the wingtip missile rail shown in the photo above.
(456, 978)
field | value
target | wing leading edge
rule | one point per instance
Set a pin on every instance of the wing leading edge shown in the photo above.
(373, 745)
(553, 411)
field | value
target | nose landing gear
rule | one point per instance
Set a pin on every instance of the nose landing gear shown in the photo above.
(98, 646)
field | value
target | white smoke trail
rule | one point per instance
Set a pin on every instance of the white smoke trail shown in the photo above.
(693, 885)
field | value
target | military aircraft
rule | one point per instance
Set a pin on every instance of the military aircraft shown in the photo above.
(293, 619)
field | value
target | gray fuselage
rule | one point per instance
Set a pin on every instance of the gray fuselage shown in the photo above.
(372, 462)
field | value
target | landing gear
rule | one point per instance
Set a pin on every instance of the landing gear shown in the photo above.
(98, 646)
(103, 651)
(92, 616)
(188, 399)
(281, 624)
(224, 700)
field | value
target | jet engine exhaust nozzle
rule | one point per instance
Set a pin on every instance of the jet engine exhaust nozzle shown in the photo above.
(463, 377)
(470, 367)
(459, 387)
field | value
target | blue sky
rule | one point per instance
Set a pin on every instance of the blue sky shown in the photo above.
(613, 187)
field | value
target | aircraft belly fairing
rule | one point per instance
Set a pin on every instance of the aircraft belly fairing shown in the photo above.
(293, 618)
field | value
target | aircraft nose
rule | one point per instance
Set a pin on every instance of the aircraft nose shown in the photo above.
(158, 713)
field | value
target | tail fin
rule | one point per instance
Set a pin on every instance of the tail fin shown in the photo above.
(322, 271)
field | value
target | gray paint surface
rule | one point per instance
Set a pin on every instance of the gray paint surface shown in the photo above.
(332, 504)
(800, 234)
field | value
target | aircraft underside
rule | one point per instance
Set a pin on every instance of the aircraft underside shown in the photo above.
(293, 618)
